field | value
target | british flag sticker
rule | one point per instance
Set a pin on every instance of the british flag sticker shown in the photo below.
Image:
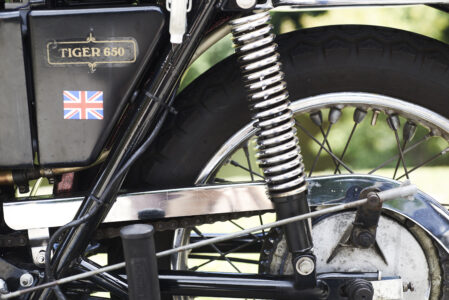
(83, 105)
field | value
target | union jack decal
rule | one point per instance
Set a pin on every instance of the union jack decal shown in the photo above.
(83, 105)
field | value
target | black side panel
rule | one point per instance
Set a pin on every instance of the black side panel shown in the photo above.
(92, 56)
(15, 135)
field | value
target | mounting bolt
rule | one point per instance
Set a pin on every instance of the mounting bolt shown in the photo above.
(408, 287)
(41, 258)
(26, 280)
(305, 266)
(245, 4)
(3, 287)
(365, 239)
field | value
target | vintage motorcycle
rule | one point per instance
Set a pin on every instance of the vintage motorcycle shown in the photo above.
(89, 103)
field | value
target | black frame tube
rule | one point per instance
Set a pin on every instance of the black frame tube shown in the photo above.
(236, 286)
(155, 96)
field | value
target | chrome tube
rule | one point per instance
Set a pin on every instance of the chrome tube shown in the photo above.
(344, 3)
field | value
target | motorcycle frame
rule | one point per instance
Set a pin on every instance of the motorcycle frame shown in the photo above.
(155, 95)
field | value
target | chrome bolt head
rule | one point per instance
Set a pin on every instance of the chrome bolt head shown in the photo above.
(305, 266)
(41, 257)
(26, 280)
(246, 4)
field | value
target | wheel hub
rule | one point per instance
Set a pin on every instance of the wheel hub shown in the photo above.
(404, 254)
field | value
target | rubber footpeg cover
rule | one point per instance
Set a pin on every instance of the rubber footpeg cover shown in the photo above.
(141, 262)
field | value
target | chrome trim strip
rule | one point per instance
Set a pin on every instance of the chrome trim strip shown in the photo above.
(326, 190)
(340, 3)
(30, 214)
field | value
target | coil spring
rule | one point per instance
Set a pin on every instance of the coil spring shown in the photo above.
(278, 152)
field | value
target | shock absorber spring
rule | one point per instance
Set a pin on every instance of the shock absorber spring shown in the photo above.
(278, 152)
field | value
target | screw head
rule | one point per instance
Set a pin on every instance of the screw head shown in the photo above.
(41, 258)
(305, 266)
(26, 280)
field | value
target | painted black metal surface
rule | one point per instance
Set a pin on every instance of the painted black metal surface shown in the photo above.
(171, 66)
(15, 134)
(96, 50)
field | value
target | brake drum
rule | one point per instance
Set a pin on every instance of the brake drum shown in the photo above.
(404, 255)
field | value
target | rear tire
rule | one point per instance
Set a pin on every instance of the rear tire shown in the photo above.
(316, 61)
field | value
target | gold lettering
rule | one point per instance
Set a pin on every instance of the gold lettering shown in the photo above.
(95, 51)
(63, 50)
(76, 52)
(86, 52)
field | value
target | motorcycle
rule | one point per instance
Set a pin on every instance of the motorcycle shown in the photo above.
(140, 172)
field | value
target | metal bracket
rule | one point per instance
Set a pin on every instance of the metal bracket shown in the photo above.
(38, 239)
(362, 232)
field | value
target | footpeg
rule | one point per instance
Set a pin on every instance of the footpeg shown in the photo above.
(141, 263)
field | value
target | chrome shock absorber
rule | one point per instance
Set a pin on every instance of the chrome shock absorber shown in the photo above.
(279, 154)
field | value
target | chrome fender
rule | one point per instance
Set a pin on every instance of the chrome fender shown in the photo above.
(423, 210)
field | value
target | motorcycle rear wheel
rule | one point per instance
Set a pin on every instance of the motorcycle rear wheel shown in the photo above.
(361, 60)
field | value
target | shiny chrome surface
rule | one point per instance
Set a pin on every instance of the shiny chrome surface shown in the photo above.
(279, 154)
(440, 124)
(327, 190)
(342, 3)
(204, 200)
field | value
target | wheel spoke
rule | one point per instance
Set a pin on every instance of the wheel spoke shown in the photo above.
(197, 231)
(424, 138)
(399, 160)
(330, 149)
(224, 255)
(324, 148)
(261, 223)
(319, 151)
(398, 143)
(248, 160)
(441, 153)
(394, 123)
(241, 228)
(214, 258)
(337, 169)
(236, 164)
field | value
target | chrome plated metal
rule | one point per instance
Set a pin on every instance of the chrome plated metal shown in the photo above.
(424, 116)
(305, 266)
(35, 214)
(26, 280)
(322, 191)
(389, 289)
(279, 154)
(342, 3)
(38, 238)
